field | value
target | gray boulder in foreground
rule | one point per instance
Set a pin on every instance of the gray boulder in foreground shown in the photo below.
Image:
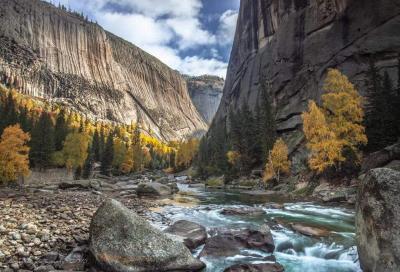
(122, 241)
(378, 221)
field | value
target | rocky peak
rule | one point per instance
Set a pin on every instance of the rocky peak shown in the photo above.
(50, 53)
(287, 46)
(206, 93)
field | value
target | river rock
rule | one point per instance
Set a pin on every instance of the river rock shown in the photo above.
(80, 184)
(193, 234)
(378, 220)
(260, 267)
(243, 211)
(310, 231)
(381, 158)
(153, 189)
(120, 241)
(230, 242)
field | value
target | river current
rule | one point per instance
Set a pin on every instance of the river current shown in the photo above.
(296, 252)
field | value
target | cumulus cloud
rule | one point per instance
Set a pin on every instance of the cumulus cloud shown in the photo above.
(167, 29)
(227, 27)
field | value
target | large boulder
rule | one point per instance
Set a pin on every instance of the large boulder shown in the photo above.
(378, 220)
(260, 267)
(121, 241)
(193, 234)
(230, 242)
(153, 189)
(381, 157)
(81, 184)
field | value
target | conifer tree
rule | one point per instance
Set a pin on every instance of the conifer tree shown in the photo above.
(9, 115)
(24, 120)
(137, 152)
(108, 156)
(96, 146)
(88, 166)
(60, 130)
(42, 142)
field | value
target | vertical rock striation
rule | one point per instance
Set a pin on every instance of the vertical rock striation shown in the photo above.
(287, 46)
(50, 53)
(206, 93)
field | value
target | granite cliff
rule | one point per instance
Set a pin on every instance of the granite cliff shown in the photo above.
(286, 47)
(206, 93)
(50, 53)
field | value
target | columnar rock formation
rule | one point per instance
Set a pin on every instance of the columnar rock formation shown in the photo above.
(286, 47)
(50, 53)
(206, 94)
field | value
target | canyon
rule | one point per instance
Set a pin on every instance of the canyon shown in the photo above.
(60, 56)
(285, 48)
(206, 93)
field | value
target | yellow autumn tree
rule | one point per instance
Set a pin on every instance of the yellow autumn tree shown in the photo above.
(233, 158)
(325, 148)
(186, 152)
(14, 154)
(75, 150)
(127, 164)
(278, 161)
(120, 150)
(342, 106)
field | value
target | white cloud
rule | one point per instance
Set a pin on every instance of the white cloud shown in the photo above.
(199, 66)
(227, 27)
(190, 32)
(166, 29)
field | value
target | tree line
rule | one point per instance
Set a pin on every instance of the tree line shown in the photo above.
(336, 132)
(53, 136)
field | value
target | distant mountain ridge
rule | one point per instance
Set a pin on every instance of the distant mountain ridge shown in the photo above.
(51, 53)
(206, 93)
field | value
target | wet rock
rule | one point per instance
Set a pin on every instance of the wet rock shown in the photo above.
(153, 189)
(75, 261)
(243, 211)
(310, 231)
(80, 184)
(193, 234)
(260, 267)
(121, 241)
(378, 220)
(230, 242)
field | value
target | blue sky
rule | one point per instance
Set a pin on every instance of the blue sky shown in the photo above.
(192, 36)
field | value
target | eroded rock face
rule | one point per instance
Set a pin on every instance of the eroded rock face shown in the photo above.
(50, 53)
(378, 221)
(206, 93)
(122, 241)
(287, 46)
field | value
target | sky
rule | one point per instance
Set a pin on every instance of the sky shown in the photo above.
(192, 36)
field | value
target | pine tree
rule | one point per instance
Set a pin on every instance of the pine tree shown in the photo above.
(42, 142)
(102, 142)
(24, 120)
(138, 156)
(96, 146)
(9, 115)
(108, 156)
(88, 166)
(381, 119)
(61, 130)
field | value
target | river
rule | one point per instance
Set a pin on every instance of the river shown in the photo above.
(296, 252)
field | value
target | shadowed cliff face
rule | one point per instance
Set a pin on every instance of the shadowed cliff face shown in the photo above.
(49, 53)
(206, 93)
(286, 47)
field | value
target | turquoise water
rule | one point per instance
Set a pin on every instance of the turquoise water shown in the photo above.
(296, 252)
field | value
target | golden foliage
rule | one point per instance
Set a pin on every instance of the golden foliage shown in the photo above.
(337, 125)
(75, 150)
(325, 148)
(14, 154)
(278, 161)
(186, 152)
(233, 157)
